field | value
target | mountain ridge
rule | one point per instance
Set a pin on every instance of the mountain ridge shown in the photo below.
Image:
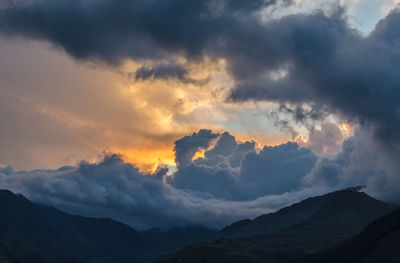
(334, 217)
(32, 232)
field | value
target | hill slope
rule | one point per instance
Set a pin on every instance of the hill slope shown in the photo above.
(313, 224)
(35, 233)
(379, 242)
(311, 208)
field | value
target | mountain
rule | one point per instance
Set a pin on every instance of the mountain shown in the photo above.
(379, 242)
(31, 232)
(310, 208)
(34, 233)
(306, 227)
(175, 238)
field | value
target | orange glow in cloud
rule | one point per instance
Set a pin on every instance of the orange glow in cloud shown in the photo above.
(346, 129)
(147, 160)
(301, 140)
(199, 154)
(261, 140)
(139, 119)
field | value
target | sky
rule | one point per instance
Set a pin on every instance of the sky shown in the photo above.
(161, 113)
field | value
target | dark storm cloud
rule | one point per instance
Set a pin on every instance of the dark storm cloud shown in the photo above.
(171, 71)
(278, 169)
(332, 67)
(186, 147)
(163, 71)
(120, 29)
(360, 162)
(235, 171)
(245, 6)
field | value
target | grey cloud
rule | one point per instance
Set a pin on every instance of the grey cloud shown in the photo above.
(171, 71)
(333, 67)
(163, 71)
(6, 170)
(113, 188)
(232, 182)
(328, 140)
(246, 6)
(186, 147)
(237, 172)
(278, 169)
(84, 29)
(238, 153)
(115, 30)
(307, 115)
(360, 162)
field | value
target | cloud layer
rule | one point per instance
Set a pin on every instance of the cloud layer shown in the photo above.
(231, 181)
(235, 171)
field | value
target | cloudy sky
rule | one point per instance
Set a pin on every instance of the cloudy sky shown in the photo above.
(178, 112)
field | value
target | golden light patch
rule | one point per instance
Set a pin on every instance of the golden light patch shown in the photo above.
(199, 154)
(260, 140)
(147, 160)
(346, 129)
(137, 118)
(301, 140)
(165, 101)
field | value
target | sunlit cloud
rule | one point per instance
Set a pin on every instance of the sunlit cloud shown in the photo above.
(71, 110)
(101, 109)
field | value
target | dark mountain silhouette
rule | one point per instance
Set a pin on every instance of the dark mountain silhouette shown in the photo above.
(163, 242)
(274, 222)
(304, 210)
(34, 233)
(306, 227)
(379, 242)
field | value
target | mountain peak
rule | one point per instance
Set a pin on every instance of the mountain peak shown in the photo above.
(346, 200)
(292, 232)
(353, 188)
(42, 234)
